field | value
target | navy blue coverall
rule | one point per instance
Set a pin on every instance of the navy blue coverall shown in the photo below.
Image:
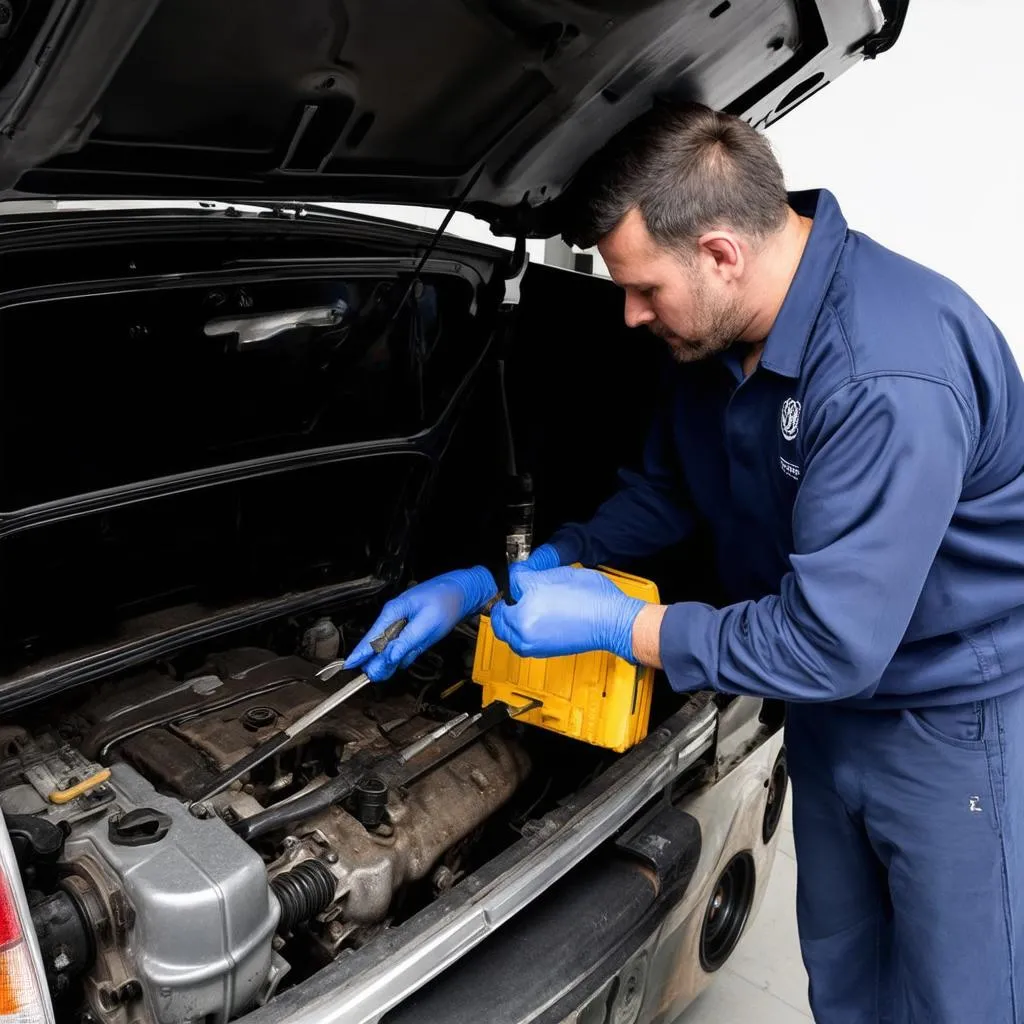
(865, 487)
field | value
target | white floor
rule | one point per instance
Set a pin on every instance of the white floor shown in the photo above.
(764, 981)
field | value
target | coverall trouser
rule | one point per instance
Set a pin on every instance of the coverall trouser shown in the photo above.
(909, 832)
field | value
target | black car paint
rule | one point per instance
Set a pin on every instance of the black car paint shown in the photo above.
(104, 386)
(403, 103)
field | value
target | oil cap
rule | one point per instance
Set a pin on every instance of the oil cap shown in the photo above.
(139, 827)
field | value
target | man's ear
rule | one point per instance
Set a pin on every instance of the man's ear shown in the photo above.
(723, 253)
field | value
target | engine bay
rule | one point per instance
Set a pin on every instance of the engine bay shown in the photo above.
(201, 511)
(380, 807)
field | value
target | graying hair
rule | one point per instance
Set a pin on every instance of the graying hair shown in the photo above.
(687, 169)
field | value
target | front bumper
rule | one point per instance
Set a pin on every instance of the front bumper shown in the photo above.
(618, 941)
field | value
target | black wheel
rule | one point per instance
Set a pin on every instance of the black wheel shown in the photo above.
(727, 912)
(777, 786)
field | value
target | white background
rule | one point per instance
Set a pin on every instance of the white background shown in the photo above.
(922, 147)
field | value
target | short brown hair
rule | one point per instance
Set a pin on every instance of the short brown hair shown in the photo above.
(687, 169)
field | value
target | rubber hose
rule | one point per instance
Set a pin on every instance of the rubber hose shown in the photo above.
(303, 892)
(281, 816)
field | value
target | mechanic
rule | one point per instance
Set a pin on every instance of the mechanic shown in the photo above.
(851, 425)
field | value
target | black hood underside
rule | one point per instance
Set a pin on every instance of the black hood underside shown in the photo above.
(498, 101)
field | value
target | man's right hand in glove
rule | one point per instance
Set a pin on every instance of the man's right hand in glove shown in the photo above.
(542, 558)
(433, 609)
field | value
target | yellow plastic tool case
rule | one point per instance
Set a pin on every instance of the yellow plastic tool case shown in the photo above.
(595, 697)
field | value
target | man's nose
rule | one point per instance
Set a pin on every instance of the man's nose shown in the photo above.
(638, 311)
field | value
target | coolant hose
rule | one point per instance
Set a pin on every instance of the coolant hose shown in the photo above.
(305, 806)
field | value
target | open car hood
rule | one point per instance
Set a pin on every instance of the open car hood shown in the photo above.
(494, 101)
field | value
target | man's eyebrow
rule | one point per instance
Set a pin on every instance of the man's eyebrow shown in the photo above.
(626, 282)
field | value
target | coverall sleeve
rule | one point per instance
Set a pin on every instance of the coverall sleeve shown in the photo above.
(650, 511)
(885, 459)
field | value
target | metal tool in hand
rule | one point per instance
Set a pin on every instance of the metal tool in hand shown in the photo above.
(281, 739)
(378, 643)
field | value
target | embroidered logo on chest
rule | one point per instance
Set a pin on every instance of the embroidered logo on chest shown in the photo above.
(789, 421)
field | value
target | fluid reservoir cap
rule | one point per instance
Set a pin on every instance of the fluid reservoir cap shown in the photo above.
(140, 827)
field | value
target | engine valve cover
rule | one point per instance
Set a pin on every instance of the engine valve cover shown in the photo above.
(201, 912)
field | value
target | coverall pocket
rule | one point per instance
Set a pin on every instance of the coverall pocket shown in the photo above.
(959, 725)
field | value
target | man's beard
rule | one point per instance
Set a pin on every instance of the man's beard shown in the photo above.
(721, 324)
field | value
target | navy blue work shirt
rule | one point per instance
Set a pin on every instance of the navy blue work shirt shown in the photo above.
(865, 487)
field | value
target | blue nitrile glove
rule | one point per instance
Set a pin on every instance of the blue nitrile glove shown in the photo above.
(566, 611)
(544, 557)
(434, 608)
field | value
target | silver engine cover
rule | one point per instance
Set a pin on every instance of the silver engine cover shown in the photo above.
(199, 938)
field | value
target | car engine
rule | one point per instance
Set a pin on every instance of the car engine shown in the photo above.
(273, 880)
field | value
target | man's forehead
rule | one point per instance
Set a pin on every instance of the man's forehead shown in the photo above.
(630, 235)
(628, 249)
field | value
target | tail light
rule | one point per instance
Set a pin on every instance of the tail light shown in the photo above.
(24, 998)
